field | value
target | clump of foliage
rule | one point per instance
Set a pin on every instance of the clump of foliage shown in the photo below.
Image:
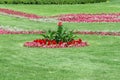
(60, 35)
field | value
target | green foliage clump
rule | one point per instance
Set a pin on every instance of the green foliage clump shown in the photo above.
(49, 1)
(60, 35)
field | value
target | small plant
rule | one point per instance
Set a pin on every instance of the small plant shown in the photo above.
(60, 35)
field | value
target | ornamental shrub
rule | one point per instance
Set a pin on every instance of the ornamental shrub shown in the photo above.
(49, 1)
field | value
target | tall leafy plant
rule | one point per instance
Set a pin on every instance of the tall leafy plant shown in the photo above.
(61, 35)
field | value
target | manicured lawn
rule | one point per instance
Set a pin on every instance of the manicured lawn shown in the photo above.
(25, 24)
(99, 61)
(48, 10)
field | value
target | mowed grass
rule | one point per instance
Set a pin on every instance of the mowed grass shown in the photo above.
(51, 10)
(25, 24)
(98, 61)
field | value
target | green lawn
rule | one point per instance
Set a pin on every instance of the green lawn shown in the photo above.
(99, 61)
(48, 10)
(25, 24)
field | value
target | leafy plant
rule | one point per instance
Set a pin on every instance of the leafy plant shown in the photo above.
(60, 35)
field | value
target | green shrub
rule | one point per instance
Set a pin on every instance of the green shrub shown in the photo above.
(49, 1)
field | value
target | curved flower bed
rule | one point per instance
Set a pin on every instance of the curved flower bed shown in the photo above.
(104, 17)
(19, 14)
(44, 43)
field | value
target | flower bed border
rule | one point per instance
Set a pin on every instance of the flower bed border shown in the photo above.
(42, 43)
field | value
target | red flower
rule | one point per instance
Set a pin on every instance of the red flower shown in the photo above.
(60, 24)
(49, 42)
(73, 42)
(54, 42)
(60, 43)
(79, 41)
(36, 41)
(69, 43)
(44, 41)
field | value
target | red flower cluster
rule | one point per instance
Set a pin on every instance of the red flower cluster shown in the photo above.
(53, 44)
(19, 14)
(104, 17)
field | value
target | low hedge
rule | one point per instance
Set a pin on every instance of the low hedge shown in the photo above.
(49, 1)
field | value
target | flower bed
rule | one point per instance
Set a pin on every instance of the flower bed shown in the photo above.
(104, 17)
(43, 43)
(19, 14)
(57, 39)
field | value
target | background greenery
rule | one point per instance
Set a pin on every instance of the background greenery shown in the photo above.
(99, 61)
(49, 1)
